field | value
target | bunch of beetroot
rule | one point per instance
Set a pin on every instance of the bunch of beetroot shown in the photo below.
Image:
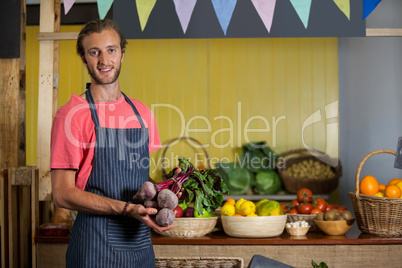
(164, 201)
(204, 188)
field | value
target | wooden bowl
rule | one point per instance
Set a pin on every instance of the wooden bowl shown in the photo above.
(334, 227)
(254, 227)
(186, 227)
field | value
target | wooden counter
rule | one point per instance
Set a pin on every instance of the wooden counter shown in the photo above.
(354, 249)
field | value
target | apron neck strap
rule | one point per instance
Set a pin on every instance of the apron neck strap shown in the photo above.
(92, 105)
(94, 114)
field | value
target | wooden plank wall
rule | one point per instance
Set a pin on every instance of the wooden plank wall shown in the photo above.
(10, 101)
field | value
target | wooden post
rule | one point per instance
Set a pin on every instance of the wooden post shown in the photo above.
(4, 219)
(34, 213)
(9, 98)
(22, 104)
(56, 56)
(45, 99)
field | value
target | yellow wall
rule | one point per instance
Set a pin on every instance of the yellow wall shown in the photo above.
(231, 90)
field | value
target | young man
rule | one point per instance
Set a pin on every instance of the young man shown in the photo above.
(101, 141)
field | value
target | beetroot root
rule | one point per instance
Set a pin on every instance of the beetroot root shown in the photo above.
(167, 199)
(146, 192)
(151, 204)
(165, 217)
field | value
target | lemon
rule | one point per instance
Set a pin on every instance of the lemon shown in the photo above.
(247, 207)
(228, 210)
(252, 215)
(380, 194)
(238, 204)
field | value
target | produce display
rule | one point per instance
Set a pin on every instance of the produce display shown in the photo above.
(297, 228)
(247, 208)
(334, 215)
(297, 224)
(370, 186)
(203, 193)
(254, 173)
(305, 203)
(309, 169)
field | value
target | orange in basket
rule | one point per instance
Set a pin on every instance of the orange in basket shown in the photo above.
(369, 185)
(393, 181)
(393, 191)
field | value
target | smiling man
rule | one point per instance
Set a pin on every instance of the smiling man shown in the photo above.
(101, 141)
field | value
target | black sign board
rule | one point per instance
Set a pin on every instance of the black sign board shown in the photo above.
(325, 20)
(10, 21)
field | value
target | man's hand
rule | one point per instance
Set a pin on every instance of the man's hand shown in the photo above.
(144, 215)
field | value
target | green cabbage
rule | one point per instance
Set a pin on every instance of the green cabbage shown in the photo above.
(236, 178)
(257, 156)
(267, 182)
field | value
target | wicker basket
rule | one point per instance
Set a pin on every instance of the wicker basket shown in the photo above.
(316, 185)
(304, 217)
(170, 143)
(207, 262)
(191, 227)
(376, 215)
(297, 230)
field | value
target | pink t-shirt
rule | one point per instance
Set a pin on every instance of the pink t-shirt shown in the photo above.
(73, 132)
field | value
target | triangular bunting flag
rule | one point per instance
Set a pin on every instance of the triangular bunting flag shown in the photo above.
(144, 9)
(224, 11)
(265, 9)
(369, 6)
(184, 10)
(67, 5)
(344, 6)
(302, 8)
(103, 7)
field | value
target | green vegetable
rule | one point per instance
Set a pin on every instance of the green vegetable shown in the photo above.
(203, 214)
(315, 265)
(267, 182)
(236, 178)
(183, 206)
(257, 156)
(204, 187)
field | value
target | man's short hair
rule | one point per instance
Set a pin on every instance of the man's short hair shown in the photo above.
(97, 26)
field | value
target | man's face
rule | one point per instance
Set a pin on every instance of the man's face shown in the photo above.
(103, 56)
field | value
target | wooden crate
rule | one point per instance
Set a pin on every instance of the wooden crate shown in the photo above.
(19, 216)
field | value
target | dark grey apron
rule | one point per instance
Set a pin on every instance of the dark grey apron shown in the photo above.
(120, 167)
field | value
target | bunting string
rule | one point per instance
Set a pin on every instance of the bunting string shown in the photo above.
(224, 10)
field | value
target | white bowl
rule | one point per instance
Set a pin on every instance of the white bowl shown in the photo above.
(254, 227)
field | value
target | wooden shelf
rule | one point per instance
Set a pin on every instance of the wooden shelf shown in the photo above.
(383, 32)
(276, 197)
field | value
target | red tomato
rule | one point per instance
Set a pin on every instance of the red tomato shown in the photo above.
(315, 211)
(285, 207)
(320, 204)
(305, 208)
(295, 203)
(293, 211)
(329, 207)
(304, 195)
(341, 208)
